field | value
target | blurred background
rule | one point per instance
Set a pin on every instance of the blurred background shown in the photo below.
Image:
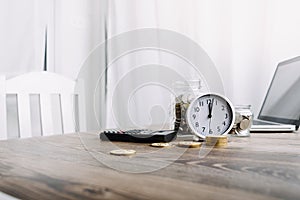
(245, 39)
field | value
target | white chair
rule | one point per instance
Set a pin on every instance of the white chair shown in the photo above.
(40, 103)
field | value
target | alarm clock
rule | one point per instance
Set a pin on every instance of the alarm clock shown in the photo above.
(210, 114)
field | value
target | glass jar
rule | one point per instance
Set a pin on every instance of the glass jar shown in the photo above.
(243, 120)
(185, 93)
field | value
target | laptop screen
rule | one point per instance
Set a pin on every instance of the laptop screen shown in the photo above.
(282, 102)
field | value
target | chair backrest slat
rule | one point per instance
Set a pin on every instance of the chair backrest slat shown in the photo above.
(81, 105)
(57, 122)
(24, 115)
(35, 114)
(46, 115)
(67, 113)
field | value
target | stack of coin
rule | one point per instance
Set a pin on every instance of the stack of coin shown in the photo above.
(243, 120)
(182, 103)
(178, 116)
(217, 140)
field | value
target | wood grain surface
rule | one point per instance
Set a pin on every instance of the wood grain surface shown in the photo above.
(79, 166)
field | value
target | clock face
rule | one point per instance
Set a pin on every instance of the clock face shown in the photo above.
(210, 114)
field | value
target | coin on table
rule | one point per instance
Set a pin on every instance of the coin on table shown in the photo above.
(217, 144)
(217, 140)
(189, 144)
(122, 152)
(160, 144)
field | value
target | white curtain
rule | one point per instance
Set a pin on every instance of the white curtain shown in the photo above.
(74, 28)
(244, 38)
(22, 36)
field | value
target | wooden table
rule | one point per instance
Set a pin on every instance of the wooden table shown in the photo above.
(79, 166)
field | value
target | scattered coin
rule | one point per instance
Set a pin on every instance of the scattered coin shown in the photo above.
(122, 152)
(160, 144)
(189, 144)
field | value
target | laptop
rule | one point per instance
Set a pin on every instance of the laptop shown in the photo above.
(280, 111)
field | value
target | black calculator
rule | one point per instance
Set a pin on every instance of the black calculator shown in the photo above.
(138, 135)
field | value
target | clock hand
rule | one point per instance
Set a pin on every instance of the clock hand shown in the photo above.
(210, 106)
(209, 110)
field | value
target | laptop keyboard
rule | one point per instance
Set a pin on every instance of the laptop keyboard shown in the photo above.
(256, 122)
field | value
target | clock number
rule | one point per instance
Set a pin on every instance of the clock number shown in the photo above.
(223, 107)
(224, 123)
(211, 131)
(203, 129)
(216, 102)
(218, 128)
(197, 124)
(226, 116)
(194, 116)
(197, 109)
(201, 103)
(208, 101)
